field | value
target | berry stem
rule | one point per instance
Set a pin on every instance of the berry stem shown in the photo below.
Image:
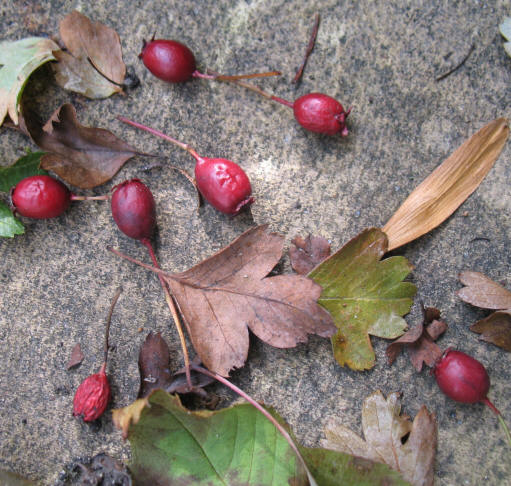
(74, 197)
(173, 311)
(107, 327)
(182, 145)
(503, 424)
(261, 409)
(225, 77)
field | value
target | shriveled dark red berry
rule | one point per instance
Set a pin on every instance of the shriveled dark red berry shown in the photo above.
(320, 113)
(40, 197)
(168, 60)
(133, 209)
(92, 396)
(223, 184)
(462, 377)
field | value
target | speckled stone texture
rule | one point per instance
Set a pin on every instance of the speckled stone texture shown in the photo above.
(382, 59)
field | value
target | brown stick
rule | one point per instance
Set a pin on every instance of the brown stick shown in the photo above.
(310, 47)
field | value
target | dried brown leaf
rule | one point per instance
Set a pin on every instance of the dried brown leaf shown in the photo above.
(85, 157)
(76, 357)
(482, 291)
(387, 440)
(153, 364)
(227, 294)
(87, 40)
(445, 189)
(495, 329)
(306, 253)
(420, 341)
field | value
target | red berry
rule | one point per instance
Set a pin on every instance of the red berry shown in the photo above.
(320, 113)
(462, 377)
(168, 60)
(223, 184)
(133, 209)
(40, 197)
(92, 397)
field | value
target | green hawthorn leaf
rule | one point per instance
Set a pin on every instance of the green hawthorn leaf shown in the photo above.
(25, 166)
(505, 30)
(9, 225)
(233, 446)
(365, 296)
(18, 60)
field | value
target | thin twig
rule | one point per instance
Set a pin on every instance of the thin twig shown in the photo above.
(109, 319)
(455, 68)
(310, 47)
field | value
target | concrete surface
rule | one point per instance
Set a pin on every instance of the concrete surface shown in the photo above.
(381, 58)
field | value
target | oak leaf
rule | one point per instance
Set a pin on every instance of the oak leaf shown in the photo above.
(227, 294)
(483, 292)
(364, 295)
(306, 253)
(390, 438)
(86, 41)
(85, 157)
(420, 341)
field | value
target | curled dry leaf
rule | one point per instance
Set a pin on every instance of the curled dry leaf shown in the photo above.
(85, 157)
(227, 294)
(483, 292)
(306, 253)
(76, 357)
(445, 189)
(420, 341)
(390, 438)
(87, 40)
(365, 296)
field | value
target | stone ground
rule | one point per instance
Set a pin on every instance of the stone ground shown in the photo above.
(382, 59)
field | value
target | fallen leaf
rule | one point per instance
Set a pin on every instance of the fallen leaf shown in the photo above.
(306, 253)
(391, 438)
(226, 294)
(495, 329)
(445, 189)
(83, 156)
(87, 40)
(25, 166)
(482, 291)
(76, 357)
(365, 296)
(9, 224)
(236, 445)
(420, 341)
(505, 30)
(18, 60)
(153, 364)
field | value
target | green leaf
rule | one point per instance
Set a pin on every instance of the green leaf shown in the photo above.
(18, 60)
(332, 468)
(237, 445)
(25, 166)
(9, 225)
(364, 296)
(234, 446)
(505, 30)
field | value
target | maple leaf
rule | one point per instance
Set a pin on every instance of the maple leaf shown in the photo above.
(85, 157)
(236, 445)
(18, 60)
(420, 341)
(483, 292)
(306, 253)
(390, 438)
(227, 294)
(364, 295)
(86, 41)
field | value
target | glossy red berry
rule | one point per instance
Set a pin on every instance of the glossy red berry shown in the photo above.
(320, 113)
(462, 377)
(40, 197)
(168, 60)
(92, 396)
(133, 209)
(223, 184)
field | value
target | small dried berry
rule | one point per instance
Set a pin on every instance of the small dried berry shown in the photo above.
(92, 396)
